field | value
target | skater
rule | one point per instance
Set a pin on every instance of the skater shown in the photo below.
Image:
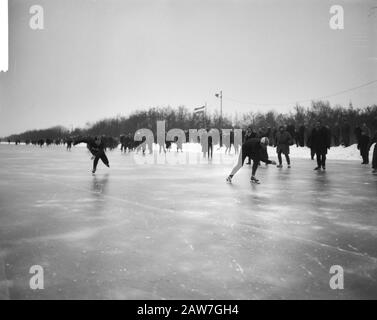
(255, 149)
(97, 148)
(346, 133)
(336, 134)
(364, 143)
(210, 147)
(320, 142)
(292, 131)
(309, 144)
(250, 134)
(374, 161)
(283, 141)
(301, 135)
(69, 144)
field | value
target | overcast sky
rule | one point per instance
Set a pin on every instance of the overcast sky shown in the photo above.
(97, 59)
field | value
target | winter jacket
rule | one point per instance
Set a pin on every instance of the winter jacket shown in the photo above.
(254, 150)
(283, 141)
(320, 140)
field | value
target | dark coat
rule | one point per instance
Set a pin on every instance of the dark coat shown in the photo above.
(283, 141)
(320, 140)
(91, 145)
(254, 150)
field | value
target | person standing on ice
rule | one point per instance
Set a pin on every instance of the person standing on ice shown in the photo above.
(97, 148)
(364, 143)
(374, 159)
(255, 149)
(320, 142)
(283, 141)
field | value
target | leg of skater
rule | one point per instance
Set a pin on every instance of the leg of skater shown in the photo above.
(238, 166)
(323, 161)
(254, 171)
(104, 159)
(319, 162)
(95, 163)
(312, 153)
(288, 160)
(280, 160)
(374, 161)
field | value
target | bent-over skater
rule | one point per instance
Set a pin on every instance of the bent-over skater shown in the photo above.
(97, 148)
(255, 149)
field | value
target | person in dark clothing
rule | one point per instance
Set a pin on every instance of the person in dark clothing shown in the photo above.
(249, 134)
(357, 133)
(309, 145)
(374, 161)
(320, 142)
(364, 143)
(232, 142)
(346, 132)
(210, 147)
(274, 133)
(255, 149)
(69, 143)
(168, 145)
(97, 148)
(336, 134)
(292, 131)
(283, 141)
(269, 136)
(301, 135)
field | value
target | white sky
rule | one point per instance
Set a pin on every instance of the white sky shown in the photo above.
(101, 58)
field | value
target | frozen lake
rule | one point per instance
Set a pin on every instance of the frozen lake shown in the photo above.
(165, 231)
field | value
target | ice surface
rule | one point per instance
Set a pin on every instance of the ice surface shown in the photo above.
(180, 232)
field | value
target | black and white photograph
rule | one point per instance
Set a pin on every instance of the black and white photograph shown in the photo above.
(201, 151)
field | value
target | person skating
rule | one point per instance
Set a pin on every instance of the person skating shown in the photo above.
(335, 132)
(69, 142)
(320, 142)
(346, 133)
(309, 144)
(97, 148)
(255, 149)
(374, 159)
(250, 134)
(364, 143)
(283, 141)
(301, 135)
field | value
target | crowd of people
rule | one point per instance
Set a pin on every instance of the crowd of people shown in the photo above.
(318, 139)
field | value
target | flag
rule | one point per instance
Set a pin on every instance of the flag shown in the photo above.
(199, 109)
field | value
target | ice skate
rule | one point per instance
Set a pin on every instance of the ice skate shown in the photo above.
(254, 180)
(229, 179)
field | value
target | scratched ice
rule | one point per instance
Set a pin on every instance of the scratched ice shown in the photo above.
(179, 231)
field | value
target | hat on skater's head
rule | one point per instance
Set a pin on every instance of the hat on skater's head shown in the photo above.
(264, 141)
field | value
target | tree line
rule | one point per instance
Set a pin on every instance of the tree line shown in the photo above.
(182, 118)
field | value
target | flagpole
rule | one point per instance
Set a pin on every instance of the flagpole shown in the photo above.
(221, 105)
(220, 95)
